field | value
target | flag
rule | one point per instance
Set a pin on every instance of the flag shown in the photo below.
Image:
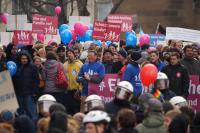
(141, 31)
(160, 29)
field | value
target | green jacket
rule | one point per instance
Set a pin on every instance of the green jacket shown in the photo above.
(153, 123)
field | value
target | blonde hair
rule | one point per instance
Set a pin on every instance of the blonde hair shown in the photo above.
(9, 128)
(42, 125)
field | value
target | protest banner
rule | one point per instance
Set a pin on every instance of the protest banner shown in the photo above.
(176, 33)
(194, 92)
(6, 38)
(16, 22)
(22, 37)
(45, 24)
(8, 100)
(106, 88)
(74, 19)
(156, 38)
(106, 31)
(126, 21)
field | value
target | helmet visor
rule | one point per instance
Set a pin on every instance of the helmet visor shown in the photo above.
(161, 84)
(123, 94)
(43, 106)
(91, 104)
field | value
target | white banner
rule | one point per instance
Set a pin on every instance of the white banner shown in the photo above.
(16, 22)
(176, 33)
(8, 100)
(6, 38)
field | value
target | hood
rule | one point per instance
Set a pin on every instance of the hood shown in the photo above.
(49, 64)
(25, 53)
(153, 120)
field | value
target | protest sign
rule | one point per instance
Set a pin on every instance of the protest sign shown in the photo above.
(176, 33)
(45, 24)
(106, 31)
(22, 37)
(106, 88)
(8, 100)
(74, 19)
(16, 22)
(156, 38)
(126, 21)
(194, 92)
(6, 38)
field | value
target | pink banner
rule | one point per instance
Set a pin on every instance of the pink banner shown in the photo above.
(106, 88)
(126, 21)
(22, 37)
(105, 31)
(45, 24)
(194, 92)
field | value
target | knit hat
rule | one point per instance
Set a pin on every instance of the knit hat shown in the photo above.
(7, 116)
(123, 53)
(135, 55)
(154, 105)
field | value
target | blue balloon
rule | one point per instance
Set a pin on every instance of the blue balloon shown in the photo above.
(108, 43)
(129, 33)
(80, 38)
(131, 40)
(66, 36)
(97, 42)
(63, 27)
(12, 67)
(91, 26)
(88, 35)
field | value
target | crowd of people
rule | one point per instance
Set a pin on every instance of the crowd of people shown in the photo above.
(45, 107)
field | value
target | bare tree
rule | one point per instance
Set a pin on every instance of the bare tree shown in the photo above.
(82, 8)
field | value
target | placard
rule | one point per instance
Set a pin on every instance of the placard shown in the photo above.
(8, 100)
(45, 24)
(156, 38)
(23, 37)
(126, 21)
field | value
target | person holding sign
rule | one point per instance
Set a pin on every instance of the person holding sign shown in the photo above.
(93, 72)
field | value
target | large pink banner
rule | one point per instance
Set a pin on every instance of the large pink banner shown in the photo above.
(106, 88)
(22, 37)
(126, 21)
(194, 92)
(45, 24)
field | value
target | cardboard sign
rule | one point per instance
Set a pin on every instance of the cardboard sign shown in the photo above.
(156, 38)
(16, 22)
(8, 100)
(22, 37)
(45, 24)
(126, 21)
(106, 88)
(176, 33)
(194, 92)
(106, 31)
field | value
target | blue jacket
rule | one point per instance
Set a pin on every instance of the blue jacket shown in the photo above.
(160, 65)
(96, 71)
(131, 74)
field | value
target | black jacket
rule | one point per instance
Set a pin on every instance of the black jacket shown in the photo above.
(26, 79)
(108, 66)
(116, 67)
(192, 66)
(178, 79)
(127, 130)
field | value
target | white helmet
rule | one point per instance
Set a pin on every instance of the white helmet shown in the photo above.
(44, 103)
(162, 81)
(46, 97)
(96, 116)
(178, 101)
(93, 101)
(124, 90)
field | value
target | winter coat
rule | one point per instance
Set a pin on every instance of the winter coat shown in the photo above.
(192, 66)
(95, 70)
(178, 79)
(131, 74)
(49, 75)
(127, 130)
(159, 65)
(167, 94)
(108, 66)
(26, 79)
(153, 123)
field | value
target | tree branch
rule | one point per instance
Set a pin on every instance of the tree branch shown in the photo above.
(72, 7)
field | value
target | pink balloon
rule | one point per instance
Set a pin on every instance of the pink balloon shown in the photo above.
(83, 30)
(41, 37)
(77, 27)
(144, 39)
(58, 10)
(70, 43)
(74, 35)
(4, 17)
